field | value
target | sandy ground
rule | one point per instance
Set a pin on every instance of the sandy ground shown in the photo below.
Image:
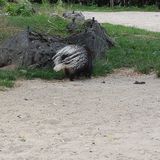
(86, 119)
(144, 20)
(82, 120)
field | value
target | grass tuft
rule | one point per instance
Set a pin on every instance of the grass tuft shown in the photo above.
(136, 48)
(41, 23)
(40, 73)
(6, 83)
(8, 75)
(7, 78)
(101, 68)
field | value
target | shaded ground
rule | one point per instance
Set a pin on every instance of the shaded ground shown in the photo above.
(144, 20)
(82, 120)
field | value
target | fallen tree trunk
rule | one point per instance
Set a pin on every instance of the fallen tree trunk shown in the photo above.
(93, 37)
(32, 49)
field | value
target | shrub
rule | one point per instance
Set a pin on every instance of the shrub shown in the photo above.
(45, 8)
(2, 3)
(23, 8)
(59, 7)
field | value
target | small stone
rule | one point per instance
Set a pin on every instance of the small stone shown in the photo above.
(137, 82)
(19, 116)
(22, 139)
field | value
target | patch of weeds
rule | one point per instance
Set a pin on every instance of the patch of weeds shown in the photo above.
(135, 48)
(7, 78)
(6, 83)
(23, 8)
(8, 75)
(59, 7)
(3, 3)
(41, 23)
(40, 73)
(7, 30)
(101, 68)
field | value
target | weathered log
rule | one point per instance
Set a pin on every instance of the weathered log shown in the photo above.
(76, 15)
(94, 37)
(32, 49)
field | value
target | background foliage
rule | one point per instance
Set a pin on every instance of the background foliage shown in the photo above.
(139, 3)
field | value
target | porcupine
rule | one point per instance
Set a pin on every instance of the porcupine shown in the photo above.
(75, 60)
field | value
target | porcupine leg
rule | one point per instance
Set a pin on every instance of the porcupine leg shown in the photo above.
(88, 71)
(71, 77)
(78, 74)
(90, 66)
(67, 74)
(88, 75)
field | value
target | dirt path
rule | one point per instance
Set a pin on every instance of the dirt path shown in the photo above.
(81, 120)
(85, 120)
(144, 20)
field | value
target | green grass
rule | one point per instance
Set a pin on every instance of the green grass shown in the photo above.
(40, 73)
(102, 68)
(42, 23)
(135, 48)
(77, 7)
(8, 77)
(6, 83)
(94, 8)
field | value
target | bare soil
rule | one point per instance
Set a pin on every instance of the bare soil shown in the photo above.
(104, 118)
